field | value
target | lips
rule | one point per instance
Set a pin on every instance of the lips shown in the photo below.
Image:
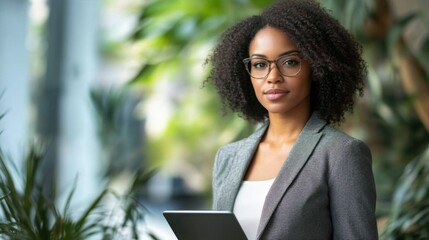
(275, 91)
(275, 94)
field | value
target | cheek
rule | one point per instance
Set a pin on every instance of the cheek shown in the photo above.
(256, 87)
(257, 91)
(306, 80)
(306, 86)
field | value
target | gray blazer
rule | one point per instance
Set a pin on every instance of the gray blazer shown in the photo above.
(324, 190)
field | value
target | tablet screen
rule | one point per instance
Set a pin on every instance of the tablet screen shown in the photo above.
(204, 225)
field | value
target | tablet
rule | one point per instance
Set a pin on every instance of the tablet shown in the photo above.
(204, 225)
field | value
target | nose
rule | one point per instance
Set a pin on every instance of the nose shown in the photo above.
(274, 76)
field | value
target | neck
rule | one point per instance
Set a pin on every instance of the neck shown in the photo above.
(286, 128)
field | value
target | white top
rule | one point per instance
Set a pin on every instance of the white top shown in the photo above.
(248, 205)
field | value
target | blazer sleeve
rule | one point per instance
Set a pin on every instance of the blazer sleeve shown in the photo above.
(352, 192)
(216, 178)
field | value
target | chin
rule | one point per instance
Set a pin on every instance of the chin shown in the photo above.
(277, 111)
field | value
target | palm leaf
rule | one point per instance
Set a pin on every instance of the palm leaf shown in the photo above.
(398, 29)
(82, 220)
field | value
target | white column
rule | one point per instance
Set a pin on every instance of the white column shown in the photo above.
(78, 148)
(14, 77)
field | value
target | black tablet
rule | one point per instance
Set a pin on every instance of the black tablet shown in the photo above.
(204, 225)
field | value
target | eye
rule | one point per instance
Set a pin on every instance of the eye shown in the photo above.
(289, 61)
(259, 64)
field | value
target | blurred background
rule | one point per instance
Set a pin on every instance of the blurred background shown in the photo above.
(111, 88)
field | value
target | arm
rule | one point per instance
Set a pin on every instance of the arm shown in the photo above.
(352, 193)
(215, 176)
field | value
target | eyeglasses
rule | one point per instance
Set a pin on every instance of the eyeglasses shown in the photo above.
(288, 65)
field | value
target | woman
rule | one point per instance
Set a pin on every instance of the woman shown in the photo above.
(296, 70)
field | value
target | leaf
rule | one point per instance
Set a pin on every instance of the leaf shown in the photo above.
(32, 165)
(410, 209)
(140, 179)
(82, 220)
(144, 71)
(398, 28)
(69, 197)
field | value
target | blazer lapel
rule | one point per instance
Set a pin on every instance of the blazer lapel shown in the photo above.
(304, 146)
(240, 162)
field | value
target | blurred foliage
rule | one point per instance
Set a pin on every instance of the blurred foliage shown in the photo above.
(27, 213)
(119, 130)
(174, 34)
(409, 217)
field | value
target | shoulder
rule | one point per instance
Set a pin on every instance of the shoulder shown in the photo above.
(338, 140)
(228, 151)
(243, 144)
(231, 148)
(234, 150)
(344, 152)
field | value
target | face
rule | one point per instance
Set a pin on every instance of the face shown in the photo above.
(286, 88)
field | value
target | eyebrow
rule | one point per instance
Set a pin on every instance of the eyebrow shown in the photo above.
(281, 55)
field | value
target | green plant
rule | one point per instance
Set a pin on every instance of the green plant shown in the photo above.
(409, 216)
(28, 212)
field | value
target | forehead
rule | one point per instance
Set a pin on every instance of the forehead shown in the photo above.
(271, 42)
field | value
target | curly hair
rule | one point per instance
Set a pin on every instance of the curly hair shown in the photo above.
(338, 71)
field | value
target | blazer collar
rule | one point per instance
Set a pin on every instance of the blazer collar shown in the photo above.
(296, 159)
(298, 156)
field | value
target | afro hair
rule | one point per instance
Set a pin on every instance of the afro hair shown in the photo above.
(338, 71)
